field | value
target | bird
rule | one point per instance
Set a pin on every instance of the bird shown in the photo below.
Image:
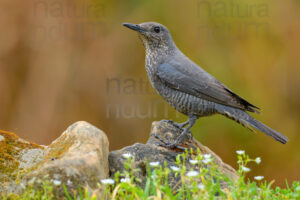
(188, 88)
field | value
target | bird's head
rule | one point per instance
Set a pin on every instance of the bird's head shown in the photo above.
(153, 35)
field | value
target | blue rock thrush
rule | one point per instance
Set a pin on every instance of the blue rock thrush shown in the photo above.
(188, 88)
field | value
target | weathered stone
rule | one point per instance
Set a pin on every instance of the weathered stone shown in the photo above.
(79, 157)
(154, 151)
(12, 151)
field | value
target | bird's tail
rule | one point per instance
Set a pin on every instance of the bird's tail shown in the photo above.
(248, 121)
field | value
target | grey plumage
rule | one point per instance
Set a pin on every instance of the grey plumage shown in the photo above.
(189, 88)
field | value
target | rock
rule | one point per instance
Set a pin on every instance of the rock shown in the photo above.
(154, 151)
(13, 152)
(79, 157)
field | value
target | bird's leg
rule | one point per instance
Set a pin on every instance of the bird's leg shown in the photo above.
(178, 125)
(191, 121)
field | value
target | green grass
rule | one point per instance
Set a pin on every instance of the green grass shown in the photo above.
(125, 184)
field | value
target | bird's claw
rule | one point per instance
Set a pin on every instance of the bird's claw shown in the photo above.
(165, 144)
(175, 145)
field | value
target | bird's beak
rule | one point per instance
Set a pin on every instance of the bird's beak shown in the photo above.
(134, 27)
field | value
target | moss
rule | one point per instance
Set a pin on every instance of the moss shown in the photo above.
(55, 151)
(10, 148)
(12, 196)
(58, 149)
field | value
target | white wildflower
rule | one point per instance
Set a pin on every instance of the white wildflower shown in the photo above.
(56, 182)
(201, 186)
(192, 173)
(125, 180)
(193, 162)
(206, 160)
(154, 164)
(174, 168)
(258, 160)
(207, 156)
(246, 169)
(127, 155)
(240, 152)
(259, 178)
(108, 181)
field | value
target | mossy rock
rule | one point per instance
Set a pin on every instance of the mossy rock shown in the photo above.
(16, 155)
(78, 158)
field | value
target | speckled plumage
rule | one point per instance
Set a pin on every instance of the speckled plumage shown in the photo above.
(189, 88)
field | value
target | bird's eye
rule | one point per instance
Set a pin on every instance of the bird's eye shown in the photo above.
(156, 29)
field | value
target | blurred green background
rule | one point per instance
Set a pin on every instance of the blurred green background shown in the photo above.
(62, 61)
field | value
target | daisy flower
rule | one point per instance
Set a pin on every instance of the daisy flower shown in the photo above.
(56, 182)
(127, 155)
(154, 164)
(108, 181)
(125, 180)
(240, 152)
(192, 173)
(258, 160)
(246, 169)
(174, 168)
(207, 156)
(193, 162)
(206, 160)
(259, 178)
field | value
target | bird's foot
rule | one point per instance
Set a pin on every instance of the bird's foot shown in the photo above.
(169, 145)
(175, 145)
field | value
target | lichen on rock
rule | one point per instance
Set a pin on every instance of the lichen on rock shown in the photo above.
(79, 157)
(13, 150)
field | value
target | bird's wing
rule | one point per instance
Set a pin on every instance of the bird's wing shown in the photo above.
(195, 81)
